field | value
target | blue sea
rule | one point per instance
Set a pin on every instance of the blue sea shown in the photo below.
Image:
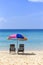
(34, 36)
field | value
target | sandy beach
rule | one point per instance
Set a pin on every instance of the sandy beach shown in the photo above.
(32, 58)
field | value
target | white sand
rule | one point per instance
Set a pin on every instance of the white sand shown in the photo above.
(13, 59)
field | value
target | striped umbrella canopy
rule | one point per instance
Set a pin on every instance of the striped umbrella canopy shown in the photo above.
(17, 36)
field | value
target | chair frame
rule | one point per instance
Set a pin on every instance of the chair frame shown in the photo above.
(12, 48)
(21, 48)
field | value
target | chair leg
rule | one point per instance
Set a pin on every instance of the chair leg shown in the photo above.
(10, 50)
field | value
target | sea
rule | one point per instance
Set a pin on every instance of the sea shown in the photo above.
(34, 38)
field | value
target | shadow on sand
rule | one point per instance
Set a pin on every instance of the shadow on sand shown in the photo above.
(26, 54)
(23, 53)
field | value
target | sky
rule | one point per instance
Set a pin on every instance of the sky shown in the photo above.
(21, 14)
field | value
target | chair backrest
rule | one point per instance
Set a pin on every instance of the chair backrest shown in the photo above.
(21, 45)
(12, 45)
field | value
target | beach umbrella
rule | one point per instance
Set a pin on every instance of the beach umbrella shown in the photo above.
(18, 37)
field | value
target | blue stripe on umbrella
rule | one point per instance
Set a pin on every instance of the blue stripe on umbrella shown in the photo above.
(20, 36)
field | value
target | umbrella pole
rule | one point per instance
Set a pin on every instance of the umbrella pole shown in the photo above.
(17, 46)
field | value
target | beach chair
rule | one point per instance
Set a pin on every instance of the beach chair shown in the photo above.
(21, 48)
(12, 47)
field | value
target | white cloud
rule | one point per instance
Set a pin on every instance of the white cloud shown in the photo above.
(2, 19)
(35, 0)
